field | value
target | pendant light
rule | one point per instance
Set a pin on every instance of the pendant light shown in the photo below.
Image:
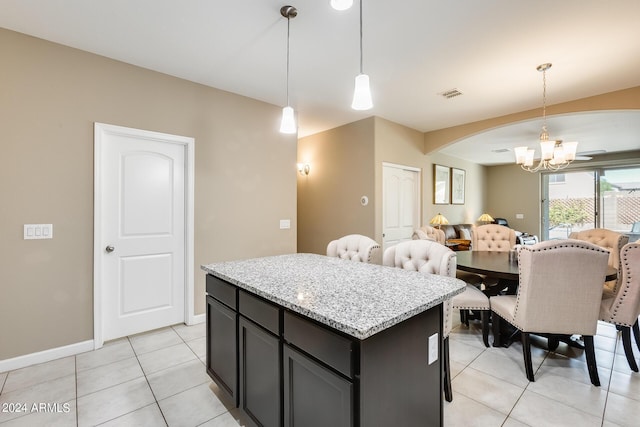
(288, 124)
(362, 92)
(341, 4)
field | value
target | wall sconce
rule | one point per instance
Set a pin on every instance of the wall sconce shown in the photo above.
(304, 168)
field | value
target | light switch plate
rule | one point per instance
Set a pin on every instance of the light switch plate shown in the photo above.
(38, 231)
(519, 216)
(432, 348)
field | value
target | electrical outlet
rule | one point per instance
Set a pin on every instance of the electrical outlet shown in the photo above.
(519, 216)
(432, 348)
(285, 224)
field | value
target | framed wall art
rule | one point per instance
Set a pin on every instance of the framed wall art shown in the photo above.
(457, 186)
(441, 185)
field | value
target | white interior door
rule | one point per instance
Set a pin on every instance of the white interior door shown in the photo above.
(141, 252)
(401, 203)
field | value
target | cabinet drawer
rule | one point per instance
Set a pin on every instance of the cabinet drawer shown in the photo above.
(261, 312)
(222, 291)
(326, 346)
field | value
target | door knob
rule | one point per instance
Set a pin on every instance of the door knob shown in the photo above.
(110, 249)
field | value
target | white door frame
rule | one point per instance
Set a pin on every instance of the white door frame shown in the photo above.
(188, 144)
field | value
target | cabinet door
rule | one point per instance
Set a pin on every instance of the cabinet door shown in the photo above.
(259, 375)
(314, 396)
(222, 347)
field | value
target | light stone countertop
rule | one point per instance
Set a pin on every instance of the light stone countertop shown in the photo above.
(356, 298)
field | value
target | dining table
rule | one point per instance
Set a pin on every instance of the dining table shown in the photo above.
(500, 265)
(504, 267)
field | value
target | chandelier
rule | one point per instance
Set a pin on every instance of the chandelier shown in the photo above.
(555, 154)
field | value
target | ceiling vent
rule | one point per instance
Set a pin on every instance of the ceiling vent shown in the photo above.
(500, 150)
(451, 93)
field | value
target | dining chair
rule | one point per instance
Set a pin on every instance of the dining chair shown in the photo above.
(608, 239)
(427, 232)
(356, 247)
(428, 257)
(559, 292)
(492, 238)
(623, 308)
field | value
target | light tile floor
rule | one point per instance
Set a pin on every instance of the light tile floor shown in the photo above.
(158, 379)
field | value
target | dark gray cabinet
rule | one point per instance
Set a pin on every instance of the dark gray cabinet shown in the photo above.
(314, 396)
(222, 344)
(260, 362)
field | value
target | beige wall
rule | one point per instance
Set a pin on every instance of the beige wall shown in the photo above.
(51, 96)
(475, 191)
(509, 191)
(342, 170)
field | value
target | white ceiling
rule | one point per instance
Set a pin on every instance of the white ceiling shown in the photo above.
(413, 50)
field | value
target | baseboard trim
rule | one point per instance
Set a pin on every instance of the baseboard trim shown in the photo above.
(45, 356)
(197, 318)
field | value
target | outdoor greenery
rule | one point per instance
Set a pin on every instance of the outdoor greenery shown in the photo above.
(575, 211)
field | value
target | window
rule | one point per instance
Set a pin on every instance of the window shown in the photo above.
(607, 197)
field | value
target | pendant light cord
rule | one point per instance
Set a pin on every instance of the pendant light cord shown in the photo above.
(361, 68)
(288, 24)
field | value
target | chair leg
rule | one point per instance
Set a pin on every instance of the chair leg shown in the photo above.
(495, 323)
(552, 342)
(636, 333)
(484, 317)
(448, 394)
(526, 352)
(464, 314)
(628, 351)
(591, 359)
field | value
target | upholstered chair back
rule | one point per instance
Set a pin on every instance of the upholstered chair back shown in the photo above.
(426, 232)
(356, 247)
(623, 308)
(609, 240)
(428, 257)
(560, 287)
(493, 237)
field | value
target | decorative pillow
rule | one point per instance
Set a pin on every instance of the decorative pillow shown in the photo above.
(465, 234)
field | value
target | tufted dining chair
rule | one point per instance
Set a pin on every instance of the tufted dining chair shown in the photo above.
(610, 240)
(623, 308)
(488, 237)
(428, 257)
(356, 247)
(427, 232)
(559, 292)
(493, 237)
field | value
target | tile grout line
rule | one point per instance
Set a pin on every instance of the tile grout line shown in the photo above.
(606, 399)
(148, 384)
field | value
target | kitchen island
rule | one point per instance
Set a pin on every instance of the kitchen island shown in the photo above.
(308, 340)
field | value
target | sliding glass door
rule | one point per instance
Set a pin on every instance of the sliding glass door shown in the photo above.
(591, 198)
